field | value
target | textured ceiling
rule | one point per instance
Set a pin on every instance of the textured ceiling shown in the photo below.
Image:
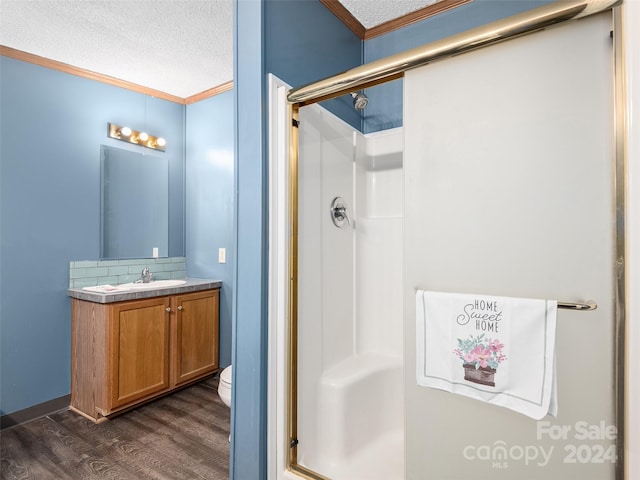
(374, 12)
(180, 47)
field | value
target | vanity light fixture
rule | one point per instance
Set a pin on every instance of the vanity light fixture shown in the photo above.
(143, 139)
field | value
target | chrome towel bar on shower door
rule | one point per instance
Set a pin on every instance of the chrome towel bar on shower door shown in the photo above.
(588, 305)
(578, 306)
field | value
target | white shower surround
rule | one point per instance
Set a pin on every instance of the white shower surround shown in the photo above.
(350, 404)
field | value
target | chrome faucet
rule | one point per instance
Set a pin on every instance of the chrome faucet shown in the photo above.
(146, 275)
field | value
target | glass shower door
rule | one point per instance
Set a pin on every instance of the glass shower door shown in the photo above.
(509, 191)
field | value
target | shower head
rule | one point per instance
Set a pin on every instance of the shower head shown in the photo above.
(360, 100)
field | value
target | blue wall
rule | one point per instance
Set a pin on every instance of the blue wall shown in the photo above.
(249, 354)
(385, 107)
(52, 126)
(210, 201)
(305, 42)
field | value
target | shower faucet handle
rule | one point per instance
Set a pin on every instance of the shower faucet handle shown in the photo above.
(338, 212)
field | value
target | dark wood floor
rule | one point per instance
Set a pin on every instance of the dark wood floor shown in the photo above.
(182, 436)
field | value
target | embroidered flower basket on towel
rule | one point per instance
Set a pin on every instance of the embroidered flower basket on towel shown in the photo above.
(499, 350)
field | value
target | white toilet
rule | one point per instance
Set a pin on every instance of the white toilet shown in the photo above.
(224, 386)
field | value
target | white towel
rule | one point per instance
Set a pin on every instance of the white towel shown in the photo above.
(500, 350)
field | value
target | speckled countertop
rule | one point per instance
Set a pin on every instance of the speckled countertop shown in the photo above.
(190, 285)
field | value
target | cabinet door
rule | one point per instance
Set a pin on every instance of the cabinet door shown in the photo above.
(139, 350)
(195, 335)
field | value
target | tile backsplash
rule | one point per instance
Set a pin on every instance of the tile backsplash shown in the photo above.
(89, 273)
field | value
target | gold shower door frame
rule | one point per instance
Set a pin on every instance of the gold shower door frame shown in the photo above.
(392, 68)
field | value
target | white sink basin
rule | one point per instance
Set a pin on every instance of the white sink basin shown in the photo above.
(153, 284)
(135, 286)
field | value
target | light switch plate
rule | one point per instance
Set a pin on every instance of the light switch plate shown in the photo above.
(222, 255)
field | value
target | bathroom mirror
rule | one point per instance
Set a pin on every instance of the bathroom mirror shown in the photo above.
(134, 205)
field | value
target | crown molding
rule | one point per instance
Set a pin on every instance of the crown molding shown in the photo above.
(340, 11)
(99, 77)
(212, 92)
(413, 17)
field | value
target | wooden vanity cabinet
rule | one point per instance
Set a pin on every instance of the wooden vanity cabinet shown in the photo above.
(138, 356)
(194, 336)
(126, 353)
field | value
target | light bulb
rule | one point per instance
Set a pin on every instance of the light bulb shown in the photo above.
(161, 142)
(125, 131)
(143, 136)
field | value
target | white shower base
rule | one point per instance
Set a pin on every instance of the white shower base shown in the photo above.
(382, 459)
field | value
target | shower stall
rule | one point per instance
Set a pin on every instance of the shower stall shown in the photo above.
(507, 185)
(350, 299)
